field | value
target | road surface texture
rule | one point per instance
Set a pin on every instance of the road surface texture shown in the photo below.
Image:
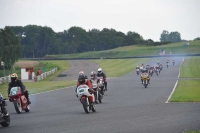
(127, 107)
(76, 67)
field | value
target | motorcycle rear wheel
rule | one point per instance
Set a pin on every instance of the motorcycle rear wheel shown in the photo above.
(18, 106)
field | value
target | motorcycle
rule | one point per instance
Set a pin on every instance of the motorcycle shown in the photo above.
(138, 71)
(167, 64)
(157, 71)
(86, 98)
(144, 78)
(19, 100)
(151, 72)
(97, 90)
(161, 67)
(4, 119)
(101, 85)
(173, 62)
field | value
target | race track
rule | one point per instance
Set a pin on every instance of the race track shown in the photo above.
(127, 107)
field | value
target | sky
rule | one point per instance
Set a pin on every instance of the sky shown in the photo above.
(146, 17)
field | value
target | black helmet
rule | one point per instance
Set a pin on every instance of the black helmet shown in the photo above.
(81, 79)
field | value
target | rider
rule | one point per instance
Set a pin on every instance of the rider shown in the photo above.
(15, 82)
(137, 67)
(3, 109)
(145, 73)
(102, 74)
(83, 80)
(82, 73)
(93, 77)
(167, 59)
(158, 62)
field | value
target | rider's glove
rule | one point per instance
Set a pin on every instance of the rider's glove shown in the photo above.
(90, 91)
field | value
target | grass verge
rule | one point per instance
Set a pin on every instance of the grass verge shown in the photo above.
(187, 91)
(190, 68)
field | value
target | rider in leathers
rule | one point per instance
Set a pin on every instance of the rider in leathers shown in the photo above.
(15, 82)
(93, 78)
(102, 74)
(145, 73)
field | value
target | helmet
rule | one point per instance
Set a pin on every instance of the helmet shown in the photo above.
(14, 77)
(99, 70)
(93, 75)
(81, 73)
(81, 79)
(137, 66)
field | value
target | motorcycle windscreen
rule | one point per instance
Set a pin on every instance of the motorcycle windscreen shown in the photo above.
(14, 91)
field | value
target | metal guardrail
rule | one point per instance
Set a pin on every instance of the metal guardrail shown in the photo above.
(5, 80)
(45, 74)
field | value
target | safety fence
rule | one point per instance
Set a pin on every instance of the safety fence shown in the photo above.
(5, 79)
(45, 74)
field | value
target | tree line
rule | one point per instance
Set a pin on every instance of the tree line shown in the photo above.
(38, 41)
(33, 41)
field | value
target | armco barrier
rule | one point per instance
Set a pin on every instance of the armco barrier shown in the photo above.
(4, 80)
(45, 74)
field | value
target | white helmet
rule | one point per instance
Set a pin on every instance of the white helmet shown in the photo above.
(99, 70)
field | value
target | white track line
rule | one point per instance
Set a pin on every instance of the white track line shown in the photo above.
(175, 84)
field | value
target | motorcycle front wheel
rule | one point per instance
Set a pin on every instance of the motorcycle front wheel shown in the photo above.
(85, 105)
(6, 123)
(18, 106)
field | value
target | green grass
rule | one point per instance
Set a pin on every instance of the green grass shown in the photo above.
(138, 50)
(190, 68)
(187, 91)
(119, 67)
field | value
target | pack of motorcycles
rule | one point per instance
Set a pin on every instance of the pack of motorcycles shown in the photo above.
(155, 70)
(83, 92)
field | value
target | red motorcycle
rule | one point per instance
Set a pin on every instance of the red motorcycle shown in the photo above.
(19, 100)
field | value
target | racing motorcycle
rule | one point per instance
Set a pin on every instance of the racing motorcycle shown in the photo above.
(145, 82)
(4, 118)
(101, 85)
(167, 64)
(173, 62)
(157, 71)
(138, 71)
(19, 100)
(151, 72)
(86, 98)
(161, 67)
(95, 87)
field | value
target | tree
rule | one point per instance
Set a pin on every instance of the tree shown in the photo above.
(175, 37)
(164, 37)
(10, 47)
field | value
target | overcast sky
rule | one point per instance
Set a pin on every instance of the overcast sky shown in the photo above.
(146, 17)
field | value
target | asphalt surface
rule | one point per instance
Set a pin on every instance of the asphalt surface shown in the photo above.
(127, 107)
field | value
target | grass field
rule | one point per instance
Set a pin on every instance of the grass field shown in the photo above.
(188, 90)
(190, 68)
(138, 50)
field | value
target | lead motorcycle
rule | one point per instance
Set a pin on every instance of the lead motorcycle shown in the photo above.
(19, 100)
(144, 79)
(4, 118)
(95, 86)
(86, 98)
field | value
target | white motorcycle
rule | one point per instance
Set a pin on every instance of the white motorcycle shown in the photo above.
(138, 71)
(99, 96)
(86, 98)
